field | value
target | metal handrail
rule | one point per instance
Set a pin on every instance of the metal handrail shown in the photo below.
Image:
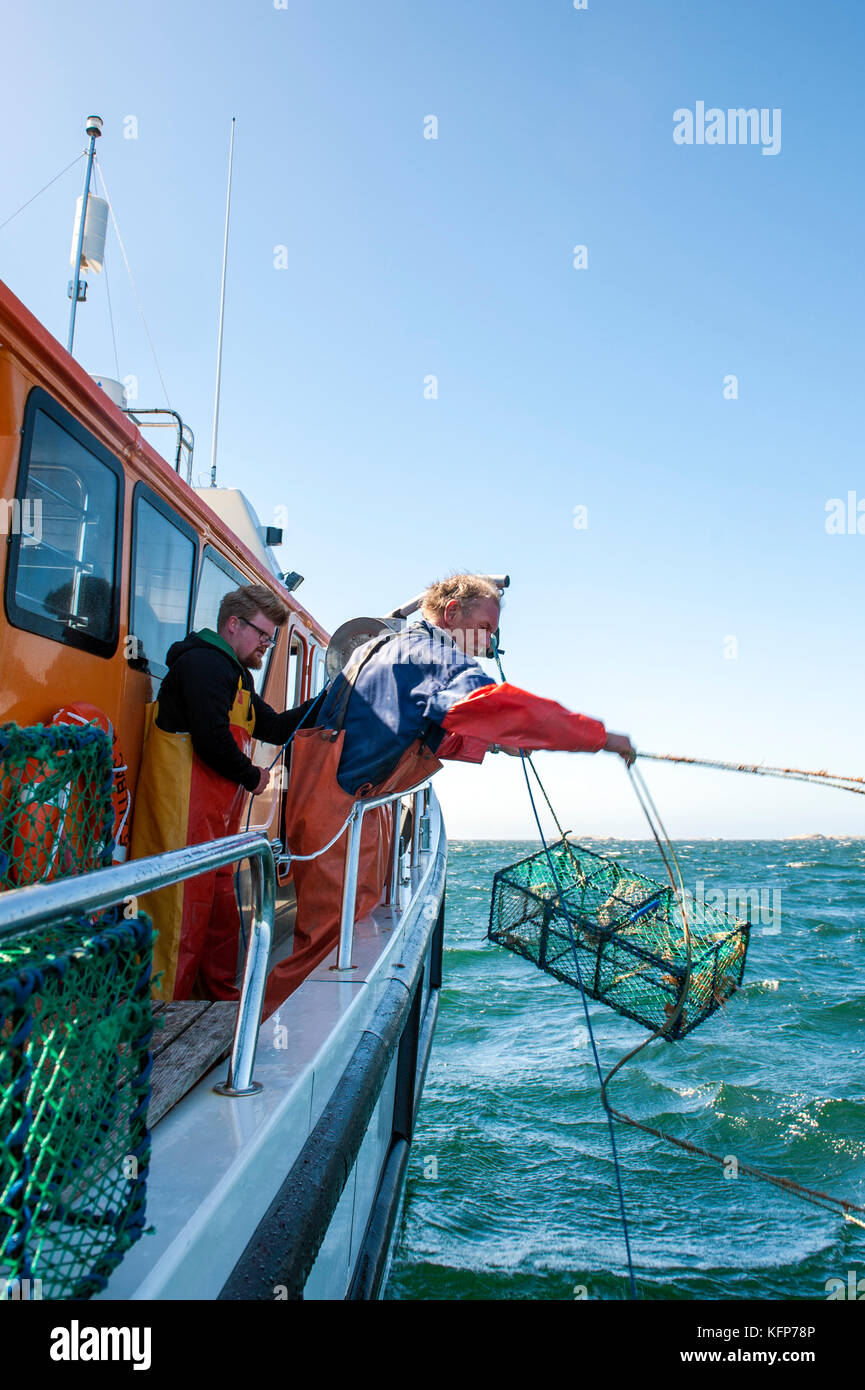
(352, 858)
(44, 903)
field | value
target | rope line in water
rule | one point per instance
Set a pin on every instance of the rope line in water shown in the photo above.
(524, 758)
(588, 1017)
(807, 1194)
(823, 1200)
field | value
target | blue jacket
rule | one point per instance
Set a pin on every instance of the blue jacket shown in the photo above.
(402, 693)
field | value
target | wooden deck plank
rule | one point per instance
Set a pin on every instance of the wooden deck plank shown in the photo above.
(178, 1015)
(178, 1067)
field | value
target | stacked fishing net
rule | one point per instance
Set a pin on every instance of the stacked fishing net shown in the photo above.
(56, 811)
(75, 1030)
(626, 931)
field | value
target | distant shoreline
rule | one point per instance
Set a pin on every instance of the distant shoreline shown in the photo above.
(646, 839)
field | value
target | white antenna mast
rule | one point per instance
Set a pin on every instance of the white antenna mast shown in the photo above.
(221, 315)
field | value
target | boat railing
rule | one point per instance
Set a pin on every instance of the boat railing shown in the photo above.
(44, 903)
(396, 875)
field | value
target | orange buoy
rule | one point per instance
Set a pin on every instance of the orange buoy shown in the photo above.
(37, 850)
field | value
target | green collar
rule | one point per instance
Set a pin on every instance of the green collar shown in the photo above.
(208, 635)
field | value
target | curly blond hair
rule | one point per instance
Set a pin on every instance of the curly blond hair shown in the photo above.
(467, 589)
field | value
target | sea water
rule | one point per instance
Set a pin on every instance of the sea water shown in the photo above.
(511, 1190)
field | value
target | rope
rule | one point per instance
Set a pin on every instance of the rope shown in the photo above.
(525, 758)
(42, 190)
(131, 279)
(793, 774)
(650, 810)
(303, 858)
(108, 297)
(588, 1018)
(807, 1194)
(823, 1200)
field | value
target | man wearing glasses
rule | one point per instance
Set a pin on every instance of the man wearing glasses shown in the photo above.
(195, 769)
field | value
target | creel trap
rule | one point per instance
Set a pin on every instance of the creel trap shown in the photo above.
(626, 931)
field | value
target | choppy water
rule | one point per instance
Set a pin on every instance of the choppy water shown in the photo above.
(511, 1190)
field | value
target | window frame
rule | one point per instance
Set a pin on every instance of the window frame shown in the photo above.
(142, 491)
(316, 662)
(39, 401)
(301, 676)
(232, 572)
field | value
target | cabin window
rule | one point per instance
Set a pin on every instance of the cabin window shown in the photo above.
(217, 577)
(163, 563)
(319, 673)
(294, 684)
(65, 532)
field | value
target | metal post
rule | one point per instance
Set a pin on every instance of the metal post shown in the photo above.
(349, 889)
(94, 130)
(43, 903)
(239, 1081)
(415, 828)
(396, 873)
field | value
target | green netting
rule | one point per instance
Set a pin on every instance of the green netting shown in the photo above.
(56, 812)
(75, 1030)
(625, 930)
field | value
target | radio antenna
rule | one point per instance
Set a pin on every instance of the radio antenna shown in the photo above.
(221, 315)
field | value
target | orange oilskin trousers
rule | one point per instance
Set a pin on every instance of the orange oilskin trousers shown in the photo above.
(181, 801)
(316, 807)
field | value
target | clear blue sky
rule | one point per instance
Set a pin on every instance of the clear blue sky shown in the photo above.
(558, 387)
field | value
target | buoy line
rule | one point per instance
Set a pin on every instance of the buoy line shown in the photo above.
(823, 1200)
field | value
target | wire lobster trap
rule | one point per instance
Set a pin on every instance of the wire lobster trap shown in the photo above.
(56, 811)
(626, 931)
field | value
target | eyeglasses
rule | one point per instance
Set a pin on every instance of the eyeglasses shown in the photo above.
(268, 641)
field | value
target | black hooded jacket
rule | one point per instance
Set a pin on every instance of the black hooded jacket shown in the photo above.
(197, 695)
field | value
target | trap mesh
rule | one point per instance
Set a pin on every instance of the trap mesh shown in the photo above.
(625, 930)
(75, 1030)
(56, 812)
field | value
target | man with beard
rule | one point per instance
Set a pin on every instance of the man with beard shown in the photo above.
(194, 772)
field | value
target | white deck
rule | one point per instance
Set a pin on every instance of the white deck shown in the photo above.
(218, 1162)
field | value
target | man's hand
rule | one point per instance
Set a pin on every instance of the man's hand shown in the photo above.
(263, 780)
(621, 744)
